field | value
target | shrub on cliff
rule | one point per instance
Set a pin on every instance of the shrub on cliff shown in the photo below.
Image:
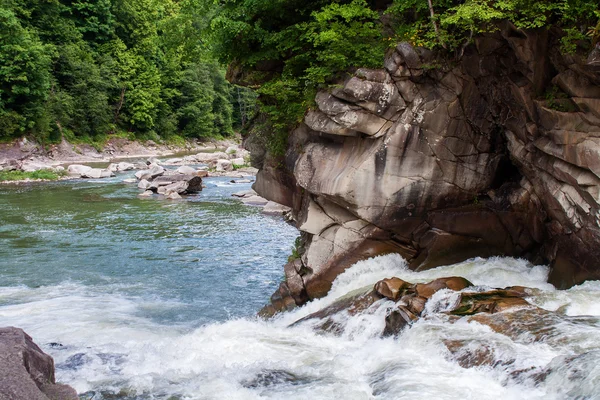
(288, 49)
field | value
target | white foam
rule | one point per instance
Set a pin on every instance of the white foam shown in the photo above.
(108, 345)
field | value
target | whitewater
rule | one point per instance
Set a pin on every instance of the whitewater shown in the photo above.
(135, 339)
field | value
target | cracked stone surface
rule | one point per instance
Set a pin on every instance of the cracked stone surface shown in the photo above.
(443, 164)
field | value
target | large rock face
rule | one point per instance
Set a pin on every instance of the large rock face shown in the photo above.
(498, 154)
(26, 372)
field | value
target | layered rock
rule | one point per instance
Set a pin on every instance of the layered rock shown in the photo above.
(443, 161)
(26, 372)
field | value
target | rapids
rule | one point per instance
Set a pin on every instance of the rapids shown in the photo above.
(142, 299)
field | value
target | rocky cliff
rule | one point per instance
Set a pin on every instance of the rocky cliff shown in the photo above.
(26, 372)
(440, 161)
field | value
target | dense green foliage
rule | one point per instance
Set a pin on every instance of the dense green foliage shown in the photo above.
(82, 69)
(291, 48)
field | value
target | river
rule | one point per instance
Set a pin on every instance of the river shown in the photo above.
(152, 299)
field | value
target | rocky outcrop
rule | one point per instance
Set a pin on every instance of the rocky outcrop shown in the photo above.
(26, 372)
(497, 154)
(409, 304)
(171, 184)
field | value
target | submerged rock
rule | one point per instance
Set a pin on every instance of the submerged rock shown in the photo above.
(406, 303)
(26, 372)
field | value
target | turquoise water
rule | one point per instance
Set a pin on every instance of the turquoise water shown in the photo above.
(207, 257)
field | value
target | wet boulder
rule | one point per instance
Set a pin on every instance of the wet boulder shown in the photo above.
(176, 183)
(392, 288)
(26, 372)
(456, 283)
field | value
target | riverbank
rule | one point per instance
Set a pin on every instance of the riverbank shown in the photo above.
(27, 155)
(24, 161)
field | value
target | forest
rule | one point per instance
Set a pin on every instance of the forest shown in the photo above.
(155, 69)
(85, 69)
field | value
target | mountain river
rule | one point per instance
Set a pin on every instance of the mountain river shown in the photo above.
(156, 299)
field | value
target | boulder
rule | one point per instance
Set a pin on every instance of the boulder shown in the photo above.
(125, 166)
(78, 170)
(26, 372)
(223, 165)
(173, 161)
(272, 208)
(153, 161)
(150, 173)
(113, 167)
(180, 187)
(391, 288)
(238, 161)
(184, 169)
(405, 305)
(144, 184)
(83, 171)
(173, 196)
(180, 183)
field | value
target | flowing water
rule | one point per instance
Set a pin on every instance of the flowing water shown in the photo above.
(150, 299)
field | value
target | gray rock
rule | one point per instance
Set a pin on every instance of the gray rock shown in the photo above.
(83, 171)
(150, 173)
(180, 183)
(254, 201)
(144, 184)
(78, 170)
(223, 165)
(272, 208)
(173, 196)
(26, 372)
(113, 167)
(153, 160)
(173, 161)
(184, 169)
(238, 161)
(125, 166)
